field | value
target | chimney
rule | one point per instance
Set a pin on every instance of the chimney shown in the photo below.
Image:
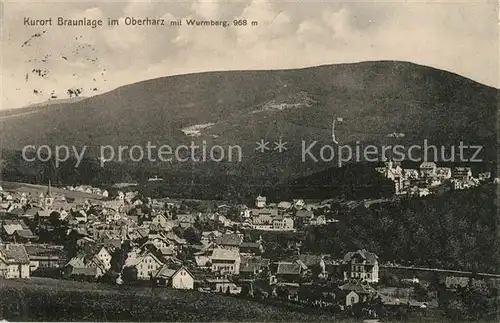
(7, 247)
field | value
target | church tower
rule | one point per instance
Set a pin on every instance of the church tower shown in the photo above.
(49, 199)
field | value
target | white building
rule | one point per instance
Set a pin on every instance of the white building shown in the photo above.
(260, 202)
(178, 277)
(226, 261)
(14, 261)
(428, 169)
(146, 264)
(362, 265)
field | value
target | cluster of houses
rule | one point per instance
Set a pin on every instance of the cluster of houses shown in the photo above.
(131, 238)
(88, 189)
(429, 178)
(282, 216)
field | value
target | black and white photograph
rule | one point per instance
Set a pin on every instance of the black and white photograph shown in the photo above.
(249, 161)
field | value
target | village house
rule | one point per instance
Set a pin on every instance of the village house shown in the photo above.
(315, 264)
(112, 216)
(362, 265)
(137, 233)
(30, 212)
(161, 220)
(222, 285)
(260, 202)
(85, 242)
(304, 216)
(298, 203)
(80, 216)
(484, 176)
(230, 241)
(111, 244)
(44, 256)
(443, 173)
(77, 267)
(251, 248)
(253, 266)
(263, 216)
(281, 223)
(118, 230)
(186, 220)
(175, 276)
(145, 263)
(93, 262)
(14, 261)
(226, 261)
(208, 237)
(175, 240)
(319, 220)
(203, 259)
(463, 174)
(353, 293)
(104, 257)
(284, 205)
(289, 271)
(393, 171)
(16, 231)
(159, 241)
(428, 169)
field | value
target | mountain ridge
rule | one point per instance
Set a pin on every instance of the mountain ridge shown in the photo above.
(374, 100)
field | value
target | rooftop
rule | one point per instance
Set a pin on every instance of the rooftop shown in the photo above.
(14, 253)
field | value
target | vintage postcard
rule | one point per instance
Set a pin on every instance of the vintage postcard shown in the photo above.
(249, 160)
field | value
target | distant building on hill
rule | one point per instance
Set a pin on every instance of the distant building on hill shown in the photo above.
(260, 202)
(428, 169)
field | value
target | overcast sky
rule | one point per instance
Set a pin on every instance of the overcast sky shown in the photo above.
(458, 36)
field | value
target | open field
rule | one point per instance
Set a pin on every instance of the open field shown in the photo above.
(56, 300)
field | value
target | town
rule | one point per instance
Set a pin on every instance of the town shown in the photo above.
(89, 234)
(429, 178)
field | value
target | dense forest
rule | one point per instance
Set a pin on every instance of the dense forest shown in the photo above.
(455, 230)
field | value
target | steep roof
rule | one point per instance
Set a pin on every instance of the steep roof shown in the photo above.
(189, 218)
(173, 237)
(25, 233)
(289, 268)
(11, 228)
(14, 253)
(169, 271)
(225, 254)
(310, 260)
(365, 256)
(76, 262)
(357, 288)
(265, 262)
(230, 240)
